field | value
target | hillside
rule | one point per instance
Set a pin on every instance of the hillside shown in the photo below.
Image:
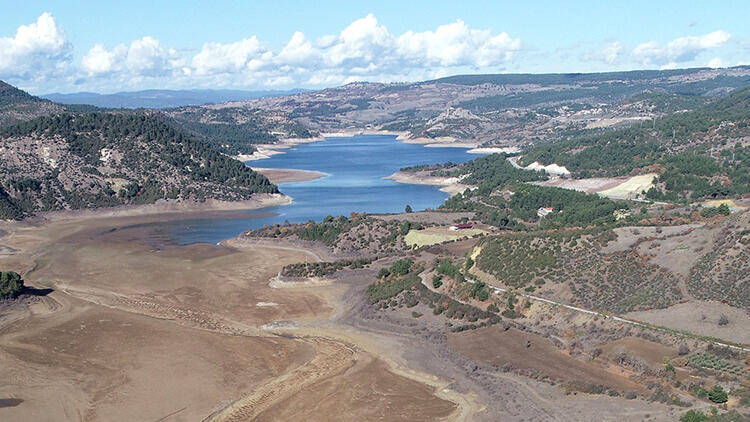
(505, 109)
(17, 105)
(235, 131)
(698, 153)
(86, 160)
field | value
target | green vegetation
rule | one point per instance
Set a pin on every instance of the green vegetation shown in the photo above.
(401, 276)
(722, 209)
(710, 361)
(494, 171)
(691, 175)
(721, 273)
(714, 416)
(570, 208)
(358, 233)
(675, 143)
(11, 284)
(320, 269)
(718, 395)
(447, 267)
(235, 130)
(616, 282)
(10, 208)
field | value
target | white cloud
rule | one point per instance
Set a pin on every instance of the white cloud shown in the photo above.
(680, 50)
(100, 60)
(37, 50)
(143, 57)
(608, 54)
(227, 58)
(365, 49)
(456, 44)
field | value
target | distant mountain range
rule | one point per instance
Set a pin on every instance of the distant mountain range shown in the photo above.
(162, 98)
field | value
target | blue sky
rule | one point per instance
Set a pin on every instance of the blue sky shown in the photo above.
(102, 46)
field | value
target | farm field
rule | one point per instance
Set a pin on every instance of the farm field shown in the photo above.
(434, 235)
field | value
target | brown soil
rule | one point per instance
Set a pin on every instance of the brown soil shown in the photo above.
(365, 392)
(138, 332)
(651, 353)
(498, 347)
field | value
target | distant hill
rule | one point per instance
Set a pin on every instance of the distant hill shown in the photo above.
(156, 98)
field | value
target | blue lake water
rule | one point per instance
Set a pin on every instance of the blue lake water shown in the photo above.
(355, 167)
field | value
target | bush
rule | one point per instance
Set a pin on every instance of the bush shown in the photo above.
(11, 284)
(718, 395)
(402, 266)
(693, 416)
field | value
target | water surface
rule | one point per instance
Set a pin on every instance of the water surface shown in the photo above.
(355, 167)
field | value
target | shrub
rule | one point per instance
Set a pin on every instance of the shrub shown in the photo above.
(693, 416)
(718, 395)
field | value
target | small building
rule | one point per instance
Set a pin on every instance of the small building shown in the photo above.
(542, 211)
(461, 226)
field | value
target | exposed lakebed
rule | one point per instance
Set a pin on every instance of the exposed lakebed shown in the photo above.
(355, 168)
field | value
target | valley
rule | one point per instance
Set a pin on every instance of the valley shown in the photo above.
(482, 247)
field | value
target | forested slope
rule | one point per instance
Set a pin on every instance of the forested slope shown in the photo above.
(83, 160)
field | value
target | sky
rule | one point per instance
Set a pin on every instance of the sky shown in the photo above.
(103, 46)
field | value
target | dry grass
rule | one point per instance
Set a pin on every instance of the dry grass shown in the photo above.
(632, 187)
(435, 235)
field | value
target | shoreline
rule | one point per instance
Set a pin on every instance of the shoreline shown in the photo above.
(264, 151)
(258, 201)
(449, 185)
(282, 175)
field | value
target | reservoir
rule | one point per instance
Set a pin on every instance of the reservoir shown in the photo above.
(355, 167)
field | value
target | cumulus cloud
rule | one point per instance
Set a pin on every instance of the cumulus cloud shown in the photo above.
(227, 58)
(144, 57)
(364, 49)
(36, 51)
(680, 50)
(609, 53)
(456, 44)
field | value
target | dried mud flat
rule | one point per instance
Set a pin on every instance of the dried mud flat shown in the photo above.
(137, 332)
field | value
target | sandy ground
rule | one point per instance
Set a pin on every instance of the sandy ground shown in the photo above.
(701, 317)
(277, 176)
(173, 208)
(133, 331)
(450, 185)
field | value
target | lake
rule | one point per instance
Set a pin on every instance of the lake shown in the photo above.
(355, 167)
